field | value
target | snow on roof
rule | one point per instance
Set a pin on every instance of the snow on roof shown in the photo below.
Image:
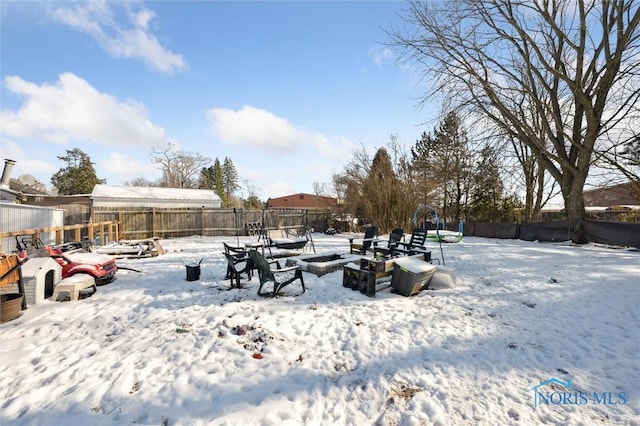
(147, 192)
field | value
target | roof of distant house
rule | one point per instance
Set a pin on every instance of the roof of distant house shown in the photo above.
(302, 200)
(151, 192)
(616, 195)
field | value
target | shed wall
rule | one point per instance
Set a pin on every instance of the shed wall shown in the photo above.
(17, 217)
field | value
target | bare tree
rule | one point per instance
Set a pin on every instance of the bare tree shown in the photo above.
(572, 66)
(252, 201)
(139, 181)
(349, 183)
(180, 169)
(380, 189)
(408, 190)
(521, 165)
(534, 180)
(318, 190)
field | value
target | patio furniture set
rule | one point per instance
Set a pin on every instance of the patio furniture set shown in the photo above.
(369, 263)
(245, 260)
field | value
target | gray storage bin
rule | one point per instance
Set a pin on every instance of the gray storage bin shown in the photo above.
(410, 275)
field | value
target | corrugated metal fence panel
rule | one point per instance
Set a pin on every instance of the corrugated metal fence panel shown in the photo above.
(17, 217)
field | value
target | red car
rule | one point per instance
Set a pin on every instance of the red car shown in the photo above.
(74, 260)
(101, 267)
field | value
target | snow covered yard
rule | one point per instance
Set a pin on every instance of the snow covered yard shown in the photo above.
(153, 348)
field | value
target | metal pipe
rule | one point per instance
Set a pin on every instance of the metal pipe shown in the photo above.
(6, 173)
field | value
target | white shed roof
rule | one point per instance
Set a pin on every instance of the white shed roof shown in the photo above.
(104, 195)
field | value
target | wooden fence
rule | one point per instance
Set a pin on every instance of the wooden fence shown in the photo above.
(171, 223)
(104, 226)
(100, 233)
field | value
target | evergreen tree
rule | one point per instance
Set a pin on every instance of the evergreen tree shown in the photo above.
(631, 152)
(218, 181)
(207, 178)
(442, 164)
(229, 179)
(490, 203)
(78, 177)
(212, 177)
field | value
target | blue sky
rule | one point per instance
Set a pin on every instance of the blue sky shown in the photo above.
(285, 89)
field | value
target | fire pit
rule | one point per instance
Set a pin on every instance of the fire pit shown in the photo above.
(320, 264)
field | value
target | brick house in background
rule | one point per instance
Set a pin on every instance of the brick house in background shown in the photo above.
(302, 201)
(626, 194)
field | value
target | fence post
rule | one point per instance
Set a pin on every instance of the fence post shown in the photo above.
(202, 221)
(101, 233)
(118, 228)
(153, 222)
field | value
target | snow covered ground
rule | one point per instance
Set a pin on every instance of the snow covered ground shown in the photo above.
(154, 349)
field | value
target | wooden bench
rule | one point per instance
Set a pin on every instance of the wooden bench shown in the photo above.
(73, 285)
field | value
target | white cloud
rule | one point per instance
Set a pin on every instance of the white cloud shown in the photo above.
(337, 149)
(126, 167)
(73, 110)
(256, 131)
(136, 41)
(26, 161)
(266, 183)
(381, 55)
(259, 129)
(143, 18)
(255, 128)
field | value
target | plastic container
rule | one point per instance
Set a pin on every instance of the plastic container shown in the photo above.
(410, 275)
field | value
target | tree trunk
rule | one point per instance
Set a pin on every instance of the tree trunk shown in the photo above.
(537, 209)
(574, 204)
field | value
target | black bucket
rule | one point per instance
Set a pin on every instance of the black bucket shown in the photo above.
(193, 272)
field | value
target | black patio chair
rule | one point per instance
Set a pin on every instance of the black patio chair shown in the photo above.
(236, 267)
(267, 274)
(395, 238)
(239, 254)
(361, 247)
(415, 244)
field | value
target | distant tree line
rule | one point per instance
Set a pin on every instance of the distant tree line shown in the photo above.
(441, 169)
(554, 84)
(179, 169)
